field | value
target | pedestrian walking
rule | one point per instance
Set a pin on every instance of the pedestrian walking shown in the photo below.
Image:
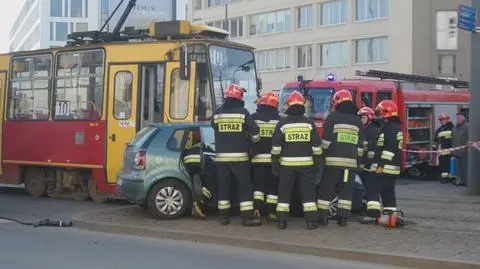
(460, 138)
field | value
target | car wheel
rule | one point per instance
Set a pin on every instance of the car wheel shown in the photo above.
(332, 210)
(169, 199)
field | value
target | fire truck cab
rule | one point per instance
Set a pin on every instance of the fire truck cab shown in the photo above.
(419, 102)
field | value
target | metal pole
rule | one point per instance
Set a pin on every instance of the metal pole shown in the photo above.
(225, 27)
(474, 132)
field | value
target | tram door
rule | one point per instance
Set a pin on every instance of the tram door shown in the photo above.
(3, 85)
(151, 93)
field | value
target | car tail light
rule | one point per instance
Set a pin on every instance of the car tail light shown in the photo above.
(140, 160)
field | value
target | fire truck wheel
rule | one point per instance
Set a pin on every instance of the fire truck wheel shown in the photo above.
(35, 183)
(169, 199)
(96, 196)
(413, 172)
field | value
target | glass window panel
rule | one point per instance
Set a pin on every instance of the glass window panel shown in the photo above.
(76, 8)
(61, 31)
(179, 92)
(56, 8)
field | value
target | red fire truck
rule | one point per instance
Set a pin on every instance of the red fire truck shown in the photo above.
(419, 103)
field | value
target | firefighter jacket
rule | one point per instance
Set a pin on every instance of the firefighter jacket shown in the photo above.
(388, 154)
(443, 136)
(343, 138)
(369, 144)
(267, 119)
(296, 142)
(192, 158)
(234, 128)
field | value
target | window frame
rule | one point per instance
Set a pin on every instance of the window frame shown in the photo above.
(61, 9)
(370, 40)
(343, 3)
(81, 9)
(365, 9)
(254, 18)
(287, 51)
(54, 92)
(170, 95)
(309, 18)
(49, 90)
(347, 53)
(454, 63)
(115, 95)
(305, 60)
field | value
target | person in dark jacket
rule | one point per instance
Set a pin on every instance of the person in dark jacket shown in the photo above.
(234, 128)
(296, 155)
(460, 138)
(265, 183)
(343, 144)
(370, 130)
(443, 140)
(386, 165)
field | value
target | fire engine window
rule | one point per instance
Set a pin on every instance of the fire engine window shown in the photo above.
(383, 95)
(29, 88)
(367, 99)
(179, 91)
(79, 86)
(122, 109)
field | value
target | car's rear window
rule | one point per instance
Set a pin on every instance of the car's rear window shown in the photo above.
(143, 135)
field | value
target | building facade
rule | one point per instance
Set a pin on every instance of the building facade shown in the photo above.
(317, 37)
(47, 23)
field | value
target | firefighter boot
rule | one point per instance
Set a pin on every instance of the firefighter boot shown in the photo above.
(271, 217)
(225, 220)
(323, 219)
(342, 221)
(251, 221)
(312, 225)
(198, 211)
(282, 225)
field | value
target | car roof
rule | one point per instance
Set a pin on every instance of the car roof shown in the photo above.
(183, 124)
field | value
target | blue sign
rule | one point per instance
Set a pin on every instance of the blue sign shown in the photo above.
(467, 18)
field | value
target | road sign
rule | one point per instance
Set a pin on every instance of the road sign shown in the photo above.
(467, 18)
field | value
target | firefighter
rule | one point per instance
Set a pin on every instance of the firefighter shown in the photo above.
(265, 183)
(443, 140)
(370, 130)
(343, 143)
(386, 165)
(234, 128)
(296, 154)
(192, 161)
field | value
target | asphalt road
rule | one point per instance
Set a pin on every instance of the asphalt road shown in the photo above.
(60, 248)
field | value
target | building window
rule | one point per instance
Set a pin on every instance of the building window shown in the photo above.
(56, 8)
(446, 64)
(76, 8)
(81, 27)
(447, 30)
(372, 50)
(333, 12)
(79, 85)
(212, 3)
(273, 22)
(30, 87)
(334, 54)
(371, 9)
(61, 31)
(304, 56)
(304, 17)
(197, 4)
(122, 109)
(52, 31)
(235, 27)
(179, 91)
(274, 59)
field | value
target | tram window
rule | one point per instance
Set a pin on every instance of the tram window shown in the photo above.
(29, 88)
(203, 95)
(179, 93)
(158, 106)
(367, 99)
(122, 109)
(383, 95)
(79, 85)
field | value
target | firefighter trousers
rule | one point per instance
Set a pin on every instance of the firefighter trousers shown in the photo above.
(334, 179)
(265, 188)
(444, 166)
(227, 173)
(287, 179)
(381, 186)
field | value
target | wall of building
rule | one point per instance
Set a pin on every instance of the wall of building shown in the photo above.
(396, 27)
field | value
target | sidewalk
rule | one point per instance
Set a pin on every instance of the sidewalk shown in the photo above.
(446, 231)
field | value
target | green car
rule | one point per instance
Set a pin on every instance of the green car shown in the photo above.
(154, 176)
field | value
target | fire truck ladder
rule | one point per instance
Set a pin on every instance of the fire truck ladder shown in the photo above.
(411, 78)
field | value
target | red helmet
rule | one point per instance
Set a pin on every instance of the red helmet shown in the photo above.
(295, 98)
(235, 91)
(387, 109)
(269, 99)
(367, 112)
(443, 116)
(341, 96)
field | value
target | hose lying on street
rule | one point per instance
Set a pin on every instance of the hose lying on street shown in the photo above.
(43, 222)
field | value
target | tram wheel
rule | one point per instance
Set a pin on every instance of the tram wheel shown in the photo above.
(35, 183)
(96, 196)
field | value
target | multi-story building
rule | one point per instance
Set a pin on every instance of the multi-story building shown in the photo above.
(317, 37)
(47, 23)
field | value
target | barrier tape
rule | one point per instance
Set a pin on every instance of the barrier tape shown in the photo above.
(446, 151)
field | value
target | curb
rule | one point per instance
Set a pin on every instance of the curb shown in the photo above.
(327, 252)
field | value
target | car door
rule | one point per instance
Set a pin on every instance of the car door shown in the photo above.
(208, 160)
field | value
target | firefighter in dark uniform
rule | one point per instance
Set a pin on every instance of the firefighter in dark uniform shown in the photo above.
(443, 140)
(386, 165)
(234, 129)
(192, 161)
(370, 131)
(342, 144)
(265, 183)
(296, 154)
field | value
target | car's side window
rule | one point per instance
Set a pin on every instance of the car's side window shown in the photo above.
(175, 141)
